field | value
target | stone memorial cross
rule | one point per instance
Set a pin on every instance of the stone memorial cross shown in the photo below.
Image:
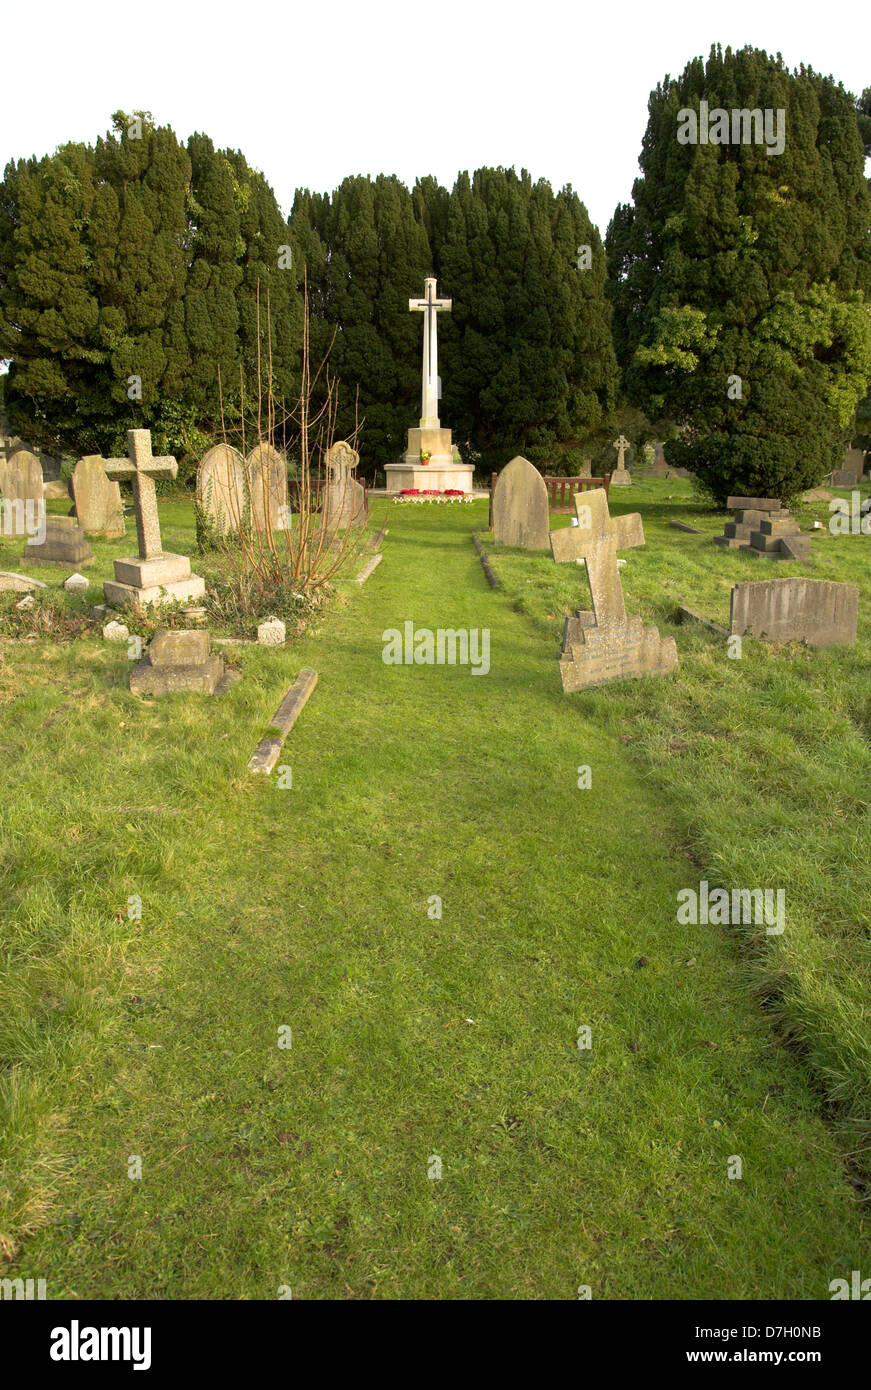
(430, 306)
(596, 539)
(143, 468)
(621, 444)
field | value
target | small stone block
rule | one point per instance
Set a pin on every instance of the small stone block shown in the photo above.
(116, 632)
(183, 647)
(767, 544)
(779, 526)
(160, 569)
(203, 678)
(762, 504)
(272, 633)
(76, 584)
(26, 603)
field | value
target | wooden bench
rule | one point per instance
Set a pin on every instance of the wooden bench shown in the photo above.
(561, 491)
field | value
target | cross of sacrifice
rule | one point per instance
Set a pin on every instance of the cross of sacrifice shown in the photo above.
(143, 468)
(596, 539)
(430, 307)
(621, 444)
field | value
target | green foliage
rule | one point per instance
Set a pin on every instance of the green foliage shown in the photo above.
(364, 255)
(129, 275)
(527, 354)
(736, 264)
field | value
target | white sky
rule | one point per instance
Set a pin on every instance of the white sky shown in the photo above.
(311, 92)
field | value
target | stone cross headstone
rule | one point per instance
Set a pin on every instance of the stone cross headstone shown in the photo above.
(430, 306)
(221, 487)
(520, 507)
(141, 465)
(604, 644)
(99, 509)
(21, 490)
(344, 500)
(266, 473)
(154, 576)
(621, 476)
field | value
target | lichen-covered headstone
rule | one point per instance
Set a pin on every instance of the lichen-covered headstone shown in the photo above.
(221, 488)
(267, 485)
(520, 507)
(344, 499)
(99, 509)
(21, 491)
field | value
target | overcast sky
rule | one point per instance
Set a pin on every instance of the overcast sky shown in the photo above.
(312, 92)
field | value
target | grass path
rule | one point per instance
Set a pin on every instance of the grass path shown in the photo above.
(306, 907)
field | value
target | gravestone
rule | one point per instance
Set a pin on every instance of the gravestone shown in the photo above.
(99, 509)
(659, 461)
(851, 474)
(520, 507)
(266, 472)
(816, 611)
(11, 582)
(64, 543)
(152, 576)
(180, 660)
(21, 490)
(764, 527)
(604, 644)
(621, 477)
(221, 488)
(344, 499)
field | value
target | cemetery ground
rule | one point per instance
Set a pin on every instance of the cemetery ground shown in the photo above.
(306, 907)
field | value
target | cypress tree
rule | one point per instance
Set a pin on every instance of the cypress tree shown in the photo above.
(529, 364)
(738, 276)
(49, 313)
(365, 255)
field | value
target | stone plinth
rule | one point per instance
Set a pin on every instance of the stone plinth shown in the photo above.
(621, 477)
(178, 661)
(65, 543)
(159, 579)
(592, 655)
(445, 470)
(603, 644)
(436, 442)
(764, 527)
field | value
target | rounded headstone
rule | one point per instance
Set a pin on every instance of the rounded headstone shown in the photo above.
(267, 484)
(520, 507)
(99, 509)
(21, 489)
(221, 488)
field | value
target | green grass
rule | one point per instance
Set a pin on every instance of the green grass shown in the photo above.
(413, 1037)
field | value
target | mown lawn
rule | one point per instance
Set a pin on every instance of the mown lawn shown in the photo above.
(416, 1037)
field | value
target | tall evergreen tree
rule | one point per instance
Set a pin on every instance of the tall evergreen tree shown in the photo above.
(49, 312)
(128, 278)
(528, 361)
(738, 277)
(364, 255)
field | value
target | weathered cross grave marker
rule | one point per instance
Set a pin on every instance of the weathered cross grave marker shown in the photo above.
(604, 644)
(152, 577)
(621, 476)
